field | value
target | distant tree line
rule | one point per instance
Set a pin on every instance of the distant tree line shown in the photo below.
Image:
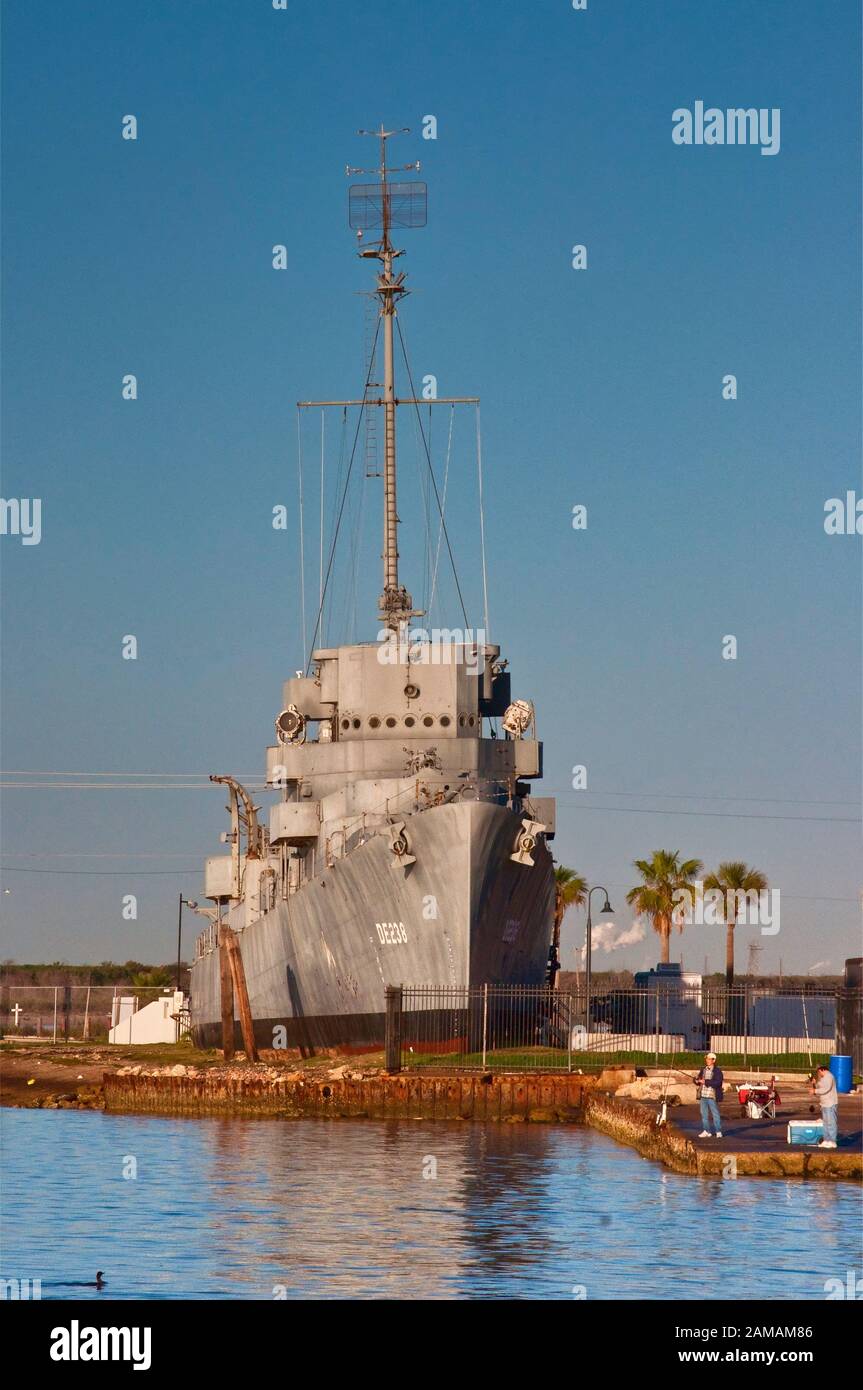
(107, 972)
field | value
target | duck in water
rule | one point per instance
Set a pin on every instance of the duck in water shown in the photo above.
(97, 1283)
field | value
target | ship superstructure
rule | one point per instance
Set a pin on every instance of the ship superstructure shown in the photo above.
(406, 845)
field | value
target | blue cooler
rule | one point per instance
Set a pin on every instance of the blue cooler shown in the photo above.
(805, 1131)
(841, 1069)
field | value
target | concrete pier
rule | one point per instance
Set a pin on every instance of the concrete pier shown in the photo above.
(753, 1154)
(556, 1098)
(232, 1091)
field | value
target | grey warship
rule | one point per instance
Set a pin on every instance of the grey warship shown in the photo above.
(405, 845)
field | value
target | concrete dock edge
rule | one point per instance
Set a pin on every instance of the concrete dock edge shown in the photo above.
(634, 1124)
(525, 1098)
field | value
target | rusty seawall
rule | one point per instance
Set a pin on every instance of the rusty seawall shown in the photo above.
(547, 1098)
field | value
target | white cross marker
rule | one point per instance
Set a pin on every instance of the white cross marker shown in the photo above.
(17, 1011)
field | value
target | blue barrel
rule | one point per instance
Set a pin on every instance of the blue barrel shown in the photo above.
(841, 1069)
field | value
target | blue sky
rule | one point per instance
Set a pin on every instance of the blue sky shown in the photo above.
(600, 387)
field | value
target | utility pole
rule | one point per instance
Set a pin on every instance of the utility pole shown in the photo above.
(187, 903)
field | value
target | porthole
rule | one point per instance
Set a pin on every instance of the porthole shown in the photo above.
(428, 721)
(346, 723)
(471, 721)
(357, 723)
(445, 721)
(411, 692)
(374, 722)
(409, 721)
(462, 721)
(391, 723)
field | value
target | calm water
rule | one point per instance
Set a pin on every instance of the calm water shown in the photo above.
(234, 1208)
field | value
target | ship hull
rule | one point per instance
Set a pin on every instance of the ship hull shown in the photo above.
(464, 913)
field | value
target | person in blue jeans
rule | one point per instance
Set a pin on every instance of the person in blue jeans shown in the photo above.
(824, 1087)
(710, 1079)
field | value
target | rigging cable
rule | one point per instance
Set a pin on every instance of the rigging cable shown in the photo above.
(431, 474)
(426, 493)
(370, 468)
(482, 525)
(302, 528)
(445, 485)
(348, 619)
(326, 632)
(427, 541)
(341, 507)
(321, 570)
(346, 628)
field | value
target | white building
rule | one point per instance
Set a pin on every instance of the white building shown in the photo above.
(157, 1022)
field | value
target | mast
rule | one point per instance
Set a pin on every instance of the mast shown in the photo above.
(396, 604)
(379, 207)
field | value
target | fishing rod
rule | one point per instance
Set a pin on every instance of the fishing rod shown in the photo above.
(662, 1112)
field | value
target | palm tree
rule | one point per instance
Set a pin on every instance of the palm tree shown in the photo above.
(733, 877)
(663, 875)
(570, 890)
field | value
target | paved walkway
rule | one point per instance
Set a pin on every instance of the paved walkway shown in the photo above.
(744, 1135)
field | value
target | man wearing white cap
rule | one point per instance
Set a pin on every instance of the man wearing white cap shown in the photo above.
(710, 1080)
(824, 1087)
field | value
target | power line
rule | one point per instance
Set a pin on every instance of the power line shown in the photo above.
(146, 873)
(104, 873)
(263, 787)
(711, 796)
(61, 772)
(121, 786)
(150, 785)
(595, 791)
(722, 815)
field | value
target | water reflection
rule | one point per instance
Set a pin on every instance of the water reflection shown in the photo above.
(361, 1209)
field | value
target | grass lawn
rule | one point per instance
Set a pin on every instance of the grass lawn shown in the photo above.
(552, 1059)
(77, 1053)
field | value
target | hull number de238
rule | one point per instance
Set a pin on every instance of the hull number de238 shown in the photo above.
(391, 933)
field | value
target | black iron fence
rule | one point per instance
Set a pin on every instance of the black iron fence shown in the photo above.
(533, 1028)
(511, 1027)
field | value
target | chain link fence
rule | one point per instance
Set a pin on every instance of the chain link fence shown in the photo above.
(77, 1013)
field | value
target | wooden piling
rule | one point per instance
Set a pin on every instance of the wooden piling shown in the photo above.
(227, 993)
(238, 976)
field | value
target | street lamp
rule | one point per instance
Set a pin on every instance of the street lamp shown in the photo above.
(605, 911)
(187, 902)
